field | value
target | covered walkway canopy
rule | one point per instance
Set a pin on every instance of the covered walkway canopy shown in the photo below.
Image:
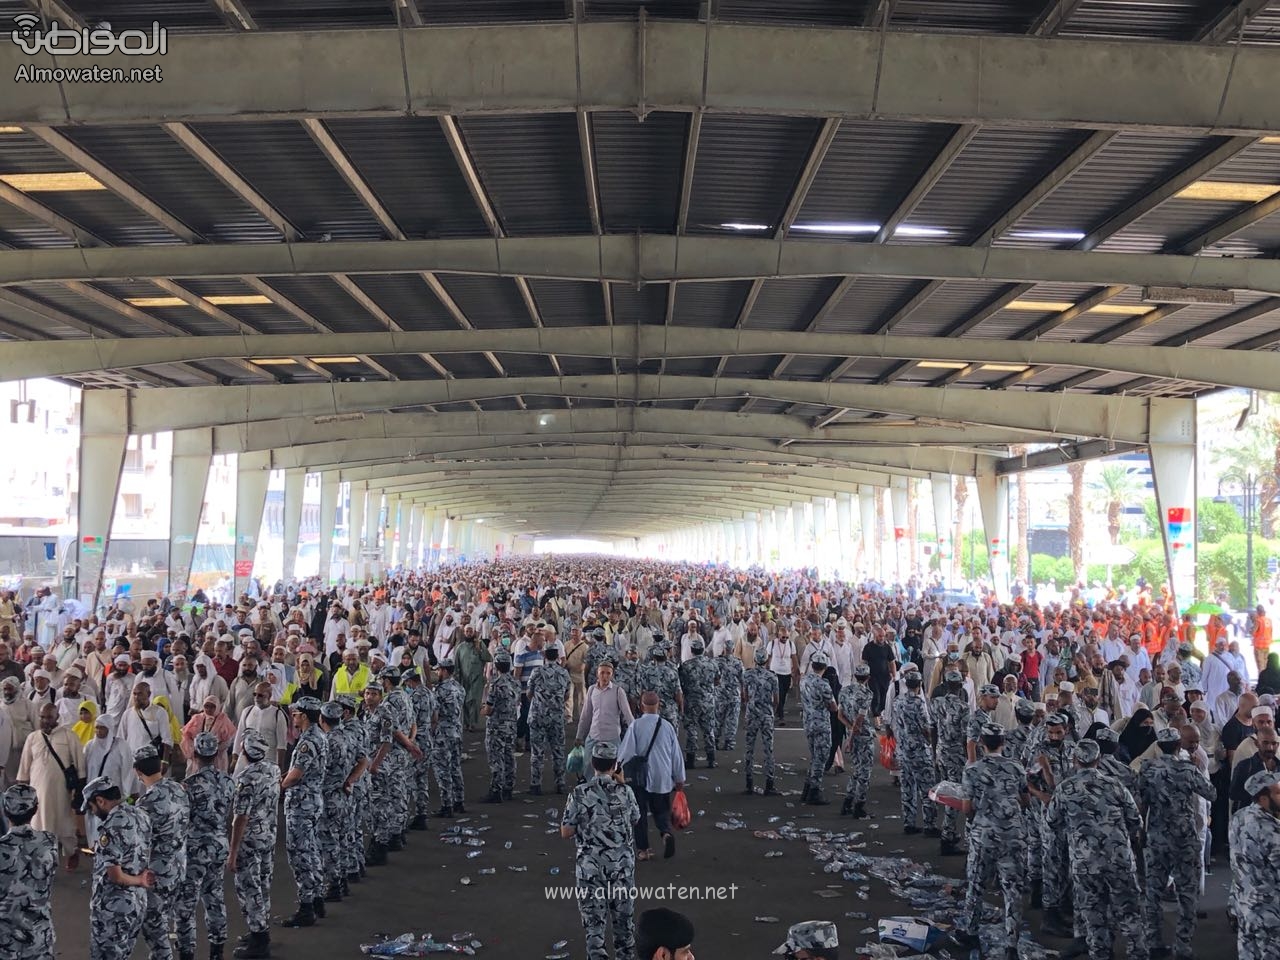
(587, 269)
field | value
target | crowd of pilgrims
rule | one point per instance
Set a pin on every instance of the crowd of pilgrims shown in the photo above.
(1095, 761)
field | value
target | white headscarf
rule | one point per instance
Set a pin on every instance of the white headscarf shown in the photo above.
(201, 686)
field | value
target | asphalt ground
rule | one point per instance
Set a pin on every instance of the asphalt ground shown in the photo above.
(422, 888)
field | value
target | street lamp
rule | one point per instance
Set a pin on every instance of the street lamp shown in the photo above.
(1248, 484)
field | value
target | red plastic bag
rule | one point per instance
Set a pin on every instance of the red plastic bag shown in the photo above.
(887, 747)
(680, 816)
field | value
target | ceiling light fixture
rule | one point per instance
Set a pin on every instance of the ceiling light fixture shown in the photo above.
(10, 129)
(909, 231)
(1004, 367)
(237, 300)
(1059, 306)
(273, 361)
(941, 365)
(744, 227)
(1048, 234)
(1224, 192)
(51, 182)
(155, 301)
(335, 359)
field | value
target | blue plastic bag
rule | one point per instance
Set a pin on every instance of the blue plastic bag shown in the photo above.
(576, 762)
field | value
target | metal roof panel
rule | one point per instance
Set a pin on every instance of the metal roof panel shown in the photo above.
(789, 304)
(712, 304)
(638, 169)
(490, 303)
(406, 298)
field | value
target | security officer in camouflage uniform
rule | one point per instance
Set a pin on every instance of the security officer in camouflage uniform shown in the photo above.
(912, 728)
(1099, 819)
(380, 731)
(698, 683)
(254, 809)
(303, 811)
(1016, 740)
(995, 789)
(728, 697)
(404, 751)
(352, 850)
(424, 705)
(988, 700)
(816, 707)
(760, 696)
(855, 715)
(1048, 767)
(338, 766)
(600, 816)
(810, 940)
(166, 805)
(548, 693)
(121, 875)
(627, 674)
(1167, 791)
(447, 731)
(597, 653)
(1254, 833)
(28, 861)
(501, 710)
(663, 679)
(955, 734)
(1108, 740)
(209, 793)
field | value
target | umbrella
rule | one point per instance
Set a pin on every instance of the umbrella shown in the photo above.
(1203, 608)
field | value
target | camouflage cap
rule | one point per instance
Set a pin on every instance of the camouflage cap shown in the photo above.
(953, 676)
(502, 657)
(94, 787)
(1056, 720)
(992, 730)
(862, 670)
(604, 750)
(818, 660)
(347, 701)
(912, 679)
(762, 657)
(205, 745)
(305, 704)
(145, 752)
(445, 664)
(696, 645)
(391, 673)
(1024, 709)
(988, 690)
(1168, 735)
(810, 935)
(1106, 735)
(1256, 784)
(1087, 751)
(331, 711)
(20, 800)
(254, 745)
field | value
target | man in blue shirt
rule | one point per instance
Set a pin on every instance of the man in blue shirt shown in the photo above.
(664, 771)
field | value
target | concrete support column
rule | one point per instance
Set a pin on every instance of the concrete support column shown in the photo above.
(295, 482)
(993, 501)
(104, 437)
(821, 542)
(799, 536)
(739, 543)
(328, 513)
(844, 530)
(355, 519)
(726, 542)
(253, 473)
(1173, 472)
(410, 554)
(192, 456)
(391, 525)
(437, 537)
(780, 528)
(943, 518)
(869, 536)
(753, 538)
(898, 508)
(463, 539)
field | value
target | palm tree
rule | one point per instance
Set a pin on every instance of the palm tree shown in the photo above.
(1257, 452)
(1075, 518)
(1023, 521)
(1114, 489)
(962, 496)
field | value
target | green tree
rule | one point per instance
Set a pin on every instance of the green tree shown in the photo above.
(1114, 489)
(1214, 520)
(1075, 518)
(1256, 451)
(1225, 570)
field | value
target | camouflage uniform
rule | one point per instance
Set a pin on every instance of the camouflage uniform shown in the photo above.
(28, 862)
(360, 823)
(167, 807)
(400, 760)
(955, 729)
(379, 729)
(855, 702)
(815, 713)
(663, 679)
(1098, 817)
(424, 705)
(597, 653)
(912, 725)
(503, 700)
(729, 674)
(448, 742)
(115, 912)
(1015, 748)
(257, 798)
(209, 793)
(338, 813)
(997, 787)
(1055, 867)
(1255, 865)
(603, 814)
(1167, 791)
(627, 676)
(698, 683)
(761, 685)
(547, 691)
(303, 811)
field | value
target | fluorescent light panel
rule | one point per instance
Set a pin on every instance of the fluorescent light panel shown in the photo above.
(868, 229)
(10, 129)
(155, 301)
(1004, 367)
(237, 300)
(335, 359)
(1058, 306)
(274, 362)
(1221, 191)
(943, 364)
(51, 182)
(220, 301)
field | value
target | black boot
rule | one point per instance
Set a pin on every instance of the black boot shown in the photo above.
(495, 796)
(804, 794)
(304, 917)
(846, 808)
(215, 951)
(816, 799)
(317, 907)
(1054, 924)
(186, 955)
(377, 855)
(334, 893)
(950, 848)
(860, 811)
(910, 829)
(256, 947)
(535, 790)
(932, 831)
(508, 794)
(769, 789)
(395, 843)
(1079, 948)
(353, 877)
(459, 808)
(711, 762)
(1037, 894)
(689, 760)
(751, 787)
(419, 822)
(445, 812)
